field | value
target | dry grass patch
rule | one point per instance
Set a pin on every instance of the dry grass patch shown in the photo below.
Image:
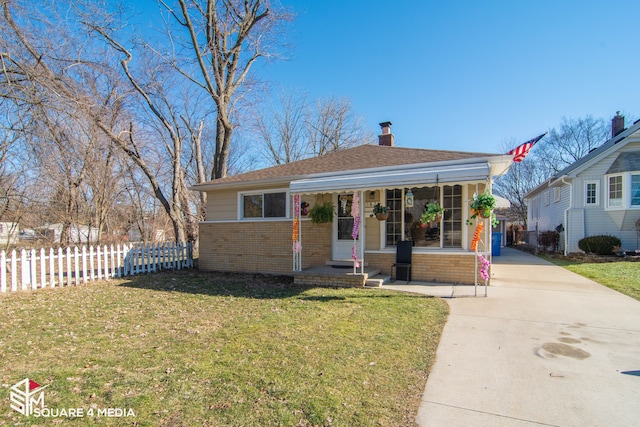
(186, 348)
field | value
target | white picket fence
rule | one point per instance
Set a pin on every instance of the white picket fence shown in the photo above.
(33, 269)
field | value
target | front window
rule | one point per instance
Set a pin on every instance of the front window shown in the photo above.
(264, 205)
(427, 234)
(591, 196)
(452, 221)
(615, 191)
(635, 190)
(404, 221)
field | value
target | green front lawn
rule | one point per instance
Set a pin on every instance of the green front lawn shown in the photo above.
(623, 276)
(186, 349)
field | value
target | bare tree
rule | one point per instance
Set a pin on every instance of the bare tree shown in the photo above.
(517, 182)
(574, 139)
(280, 129)
(292, 128)
(225, 38)
(333, 125)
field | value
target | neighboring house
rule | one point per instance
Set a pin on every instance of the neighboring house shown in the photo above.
(154, 235)
(250, 217)
(77, 233)
(598, 194)
(9, 232)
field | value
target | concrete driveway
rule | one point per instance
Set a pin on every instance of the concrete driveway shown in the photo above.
(546, 348)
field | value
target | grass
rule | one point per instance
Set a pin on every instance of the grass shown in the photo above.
(185, 349)
(622, 276)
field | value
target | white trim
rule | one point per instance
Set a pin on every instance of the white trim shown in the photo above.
(631, 174)
(586, 192)
(607, 198)
(244, 221)
(423, 251)
(240, 201)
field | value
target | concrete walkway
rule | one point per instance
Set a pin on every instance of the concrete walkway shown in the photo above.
(546, 348)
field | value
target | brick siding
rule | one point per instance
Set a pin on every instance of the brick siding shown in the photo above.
(261, 247)
(431, 267)
(266, 247)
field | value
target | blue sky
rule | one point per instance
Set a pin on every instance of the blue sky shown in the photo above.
(466, 75)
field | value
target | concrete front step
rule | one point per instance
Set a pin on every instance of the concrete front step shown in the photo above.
(342, 263)
(377, 281)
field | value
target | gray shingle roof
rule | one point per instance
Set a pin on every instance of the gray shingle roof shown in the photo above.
(361, 157)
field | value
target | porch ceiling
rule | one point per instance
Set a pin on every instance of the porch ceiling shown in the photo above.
(406, 177)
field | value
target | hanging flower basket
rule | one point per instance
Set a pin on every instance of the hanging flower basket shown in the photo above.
(380, 212)
(321, 213)
(432, 213)
(481, 213)
(482, 205)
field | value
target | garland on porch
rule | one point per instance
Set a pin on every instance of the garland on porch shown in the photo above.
(484, 268)
(355, 213)
(295, 233)
(476, 236)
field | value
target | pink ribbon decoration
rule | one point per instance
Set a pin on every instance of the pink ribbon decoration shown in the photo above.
(354, 255)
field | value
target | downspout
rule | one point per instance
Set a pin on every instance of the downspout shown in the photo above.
(566, 215)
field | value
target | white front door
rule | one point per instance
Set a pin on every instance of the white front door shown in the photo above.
(342, 227)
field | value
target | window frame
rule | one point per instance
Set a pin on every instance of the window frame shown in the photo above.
(597, 192)
(262, 193)
(609, 199)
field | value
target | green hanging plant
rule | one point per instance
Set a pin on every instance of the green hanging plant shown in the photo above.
(432, 212)
(322, 213)
(482, 206)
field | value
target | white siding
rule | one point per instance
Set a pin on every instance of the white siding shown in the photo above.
(551, 214)
(597, 220)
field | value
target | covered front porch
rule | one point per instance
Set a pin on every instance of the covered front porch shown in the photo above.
(444, 249)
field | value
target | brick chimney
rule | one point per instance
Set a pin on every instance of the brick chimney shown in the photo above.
(387, 137)
(617, 124)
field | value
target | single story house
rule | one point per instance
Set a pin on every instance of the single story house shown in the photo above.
(256, 222)
(598, 194)
(77, 233)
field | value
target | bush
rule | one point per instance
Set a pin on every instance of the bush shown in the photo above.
(549, 240)
(600, 245)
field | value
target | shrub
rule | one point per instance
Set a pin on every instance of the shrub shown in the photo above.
(600, 245)
(549, 240)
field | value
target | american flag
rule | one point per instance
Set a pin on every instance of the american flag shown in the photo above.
(521, 151)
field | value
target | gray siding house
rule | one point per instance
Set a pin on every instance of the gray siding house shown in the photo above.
(598, 194)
